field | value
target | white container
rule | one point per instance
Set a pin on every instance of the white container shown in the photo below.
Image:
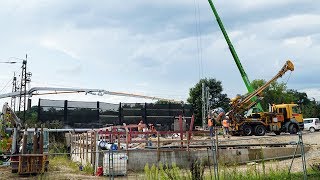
(275, 119)
(119, 166)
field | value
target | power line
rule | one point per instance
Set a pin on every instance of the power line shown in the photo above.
(5, 85)
(200, 38)
(197, 37)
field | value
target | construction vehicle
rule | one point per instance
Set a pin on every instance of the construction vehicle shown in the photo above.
(27, 150)
(234, 53)
(280, 118)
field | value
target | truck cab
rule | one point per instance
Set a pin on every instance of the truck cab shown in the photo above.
(291, 114)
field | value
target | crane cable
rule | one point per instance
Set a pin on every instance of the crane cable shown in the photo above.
(199, 39)
(5, 85)
(288, 78)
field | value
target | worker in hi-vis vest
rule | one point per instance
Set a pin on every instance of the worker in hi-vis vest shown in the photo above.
(225, 124)
(210, 125)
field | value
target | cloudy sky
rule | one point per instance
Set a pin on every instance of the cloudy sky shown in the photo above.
(158, 48)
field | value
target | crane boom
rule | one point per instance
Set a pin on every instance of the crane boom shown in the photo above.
(239, 104)
(233, 52)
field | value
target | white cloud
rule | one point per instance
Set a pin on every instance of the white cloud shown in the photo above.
(151, 46)
(52, 43)
(299, 42)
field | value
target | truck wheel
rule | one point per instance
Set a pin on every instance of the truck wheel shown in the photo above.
(246, 130)
(260, 130)
(312, 129)
(293, 129)
(277, 132)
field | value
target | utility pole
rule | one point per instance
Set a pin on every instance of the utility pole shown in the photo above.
(25, 78)
(14, 89)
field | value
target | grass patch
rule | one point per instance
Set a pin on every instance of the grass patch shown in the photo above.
(63, 163)
(252, 172)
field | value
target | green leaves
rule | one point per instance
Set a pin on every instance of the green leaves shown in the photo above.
(277, 93)
(218, 99)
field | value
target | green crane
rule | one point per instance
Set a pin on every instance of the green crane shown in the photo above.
(234, 54)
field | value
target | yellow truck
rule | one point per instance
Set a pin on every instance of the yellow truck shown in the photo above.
(279, 118)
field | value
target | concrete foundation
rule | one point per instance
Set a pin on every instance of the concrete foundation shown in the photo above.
(138, 159)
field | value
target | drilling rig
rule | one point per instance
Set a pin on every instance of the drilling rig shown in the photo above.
(279, 118)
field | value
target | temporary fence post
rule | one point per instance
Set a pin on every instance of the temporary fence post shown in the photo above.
(158, 146)
(75, 145)
(181, 130)
(79, 141)
(95, 150)
(87, 149)
(191, 125)
(188, 142)
(83, 151)
(118, 137)
(91, 147)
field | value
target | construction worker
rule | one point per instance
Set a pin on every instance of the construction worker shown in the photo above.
(140, 126)
(210, 125)
(153, 129)
(225, 124)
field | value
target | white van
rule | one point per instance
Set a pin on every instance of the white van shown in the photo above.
(311, 124)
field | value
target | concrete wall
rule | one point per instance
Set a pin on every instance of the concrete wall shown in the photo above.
(138, 159)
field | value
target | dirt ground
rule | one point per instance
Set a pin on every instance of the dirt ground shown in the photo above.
(310, 139)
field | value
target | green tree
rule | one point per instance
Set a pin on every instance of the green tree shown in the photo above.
(298, 97)
(215, 91)
(275, 93)
(278, 93)
(162, 102)
(310, 109)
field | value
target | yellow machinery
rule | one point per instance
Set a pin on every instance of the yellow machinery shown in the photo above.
(280, 118)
